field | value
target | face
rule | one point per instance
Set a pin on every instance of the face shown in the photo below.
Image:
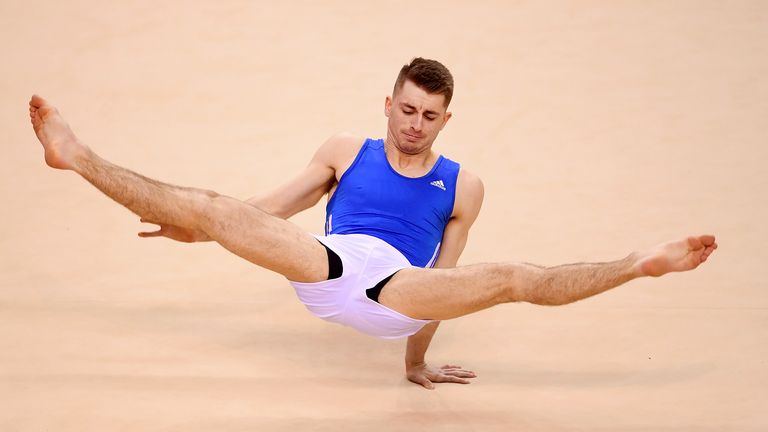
(415, 118)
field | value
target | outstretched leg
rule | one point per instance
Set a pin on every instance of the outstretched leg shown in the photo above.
(441, 294)
(243, 229)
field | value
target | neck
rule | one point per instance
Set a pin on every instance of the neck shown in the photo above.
(400, 160)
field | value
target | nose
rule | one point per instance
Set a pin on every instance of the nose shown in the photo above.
(416, 123)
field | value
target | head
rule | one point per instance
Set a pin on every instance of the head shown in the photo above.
(418, 108)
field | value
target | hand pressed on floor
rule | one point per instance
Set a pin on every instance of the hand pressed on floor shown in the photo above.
(426, 375)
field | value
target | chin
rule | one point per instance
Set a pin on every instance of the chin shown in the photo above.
(411, 148)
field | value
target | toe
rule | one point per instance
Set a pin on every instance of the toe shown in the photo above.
(37, 101)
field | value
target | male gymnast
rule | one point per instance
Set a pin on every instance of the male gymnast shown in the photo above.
(397, 220)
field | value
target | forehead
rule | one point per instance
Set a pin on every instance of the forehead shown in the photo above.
(417, 97)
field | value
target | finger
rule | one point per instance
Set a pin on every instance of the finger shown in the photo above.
(454, 379)
(144, 220)
(694, 243)
(450, 367)
(151, 233)
(424, 382)
(707, 252)
(453, 370)
(461, 373)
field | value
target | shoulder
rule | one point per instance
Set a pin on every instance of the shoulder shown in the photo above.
(339, 148)
(470, 192)
(343, 142)
(469, 187)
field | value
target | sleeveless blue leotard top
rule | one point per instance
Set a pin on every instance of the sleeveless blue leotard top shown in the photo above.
(408, 213)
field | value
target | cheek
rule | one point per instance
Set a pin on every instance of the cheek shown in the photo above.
(399, 119)
(434, 126)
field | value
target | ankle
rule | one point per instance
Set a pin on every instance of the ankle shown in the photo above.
(83, 158)
(634, 268)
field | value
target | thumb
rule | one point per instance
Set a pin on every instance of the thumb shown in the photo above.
(426, 383)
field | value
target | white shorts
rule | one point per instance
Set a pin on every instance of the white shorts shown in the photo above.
(366, 261)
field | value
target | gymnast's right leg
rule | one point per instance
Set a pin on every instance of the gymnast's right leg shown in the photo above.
(250, 233)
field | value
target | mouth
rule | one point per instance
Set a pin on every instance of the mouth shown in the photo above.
(410, 137)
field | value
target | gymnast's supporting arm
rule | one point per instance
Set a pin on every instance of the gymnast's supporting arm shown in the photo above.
(469, 199)
(416, 368)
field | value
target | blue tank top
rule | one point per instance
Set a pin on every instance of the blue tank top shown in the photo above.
(408, 213)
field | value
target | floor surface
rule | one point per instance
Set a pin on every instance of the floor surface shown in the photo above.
(598, 127)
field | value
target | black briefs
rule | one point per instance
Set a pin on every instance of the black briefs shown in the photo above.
(335, 269)
(373, 293)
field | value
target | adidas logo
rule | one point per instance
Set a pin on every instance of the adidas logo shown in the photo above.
(438, 183)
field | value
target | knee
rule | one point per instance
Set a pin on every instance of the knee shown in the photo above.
(221, 210)
(530, 284)
(544, 299)
(209, 194)
(213, 208)
(546, 291)
(206, 200)
(217, 207)
(507, 279)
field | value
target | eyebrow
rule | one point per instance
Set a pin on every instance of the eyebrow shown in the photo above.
(409, 106)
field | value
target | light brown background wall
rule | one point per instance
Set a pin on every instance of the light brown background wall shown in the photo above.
(597, 126)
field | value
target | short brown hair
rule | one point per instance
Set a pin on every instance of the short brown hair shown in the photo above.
(429, 75)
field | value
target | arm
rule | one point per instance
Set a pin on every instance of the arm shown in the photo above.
(298, 194)
(305, 189)
(469, 199)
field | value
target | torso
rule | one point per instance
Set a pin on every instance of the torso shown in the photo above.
(410, 212)
(349, 152)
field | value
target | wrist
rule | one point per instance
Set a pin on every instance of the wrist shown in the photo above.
(409, 363)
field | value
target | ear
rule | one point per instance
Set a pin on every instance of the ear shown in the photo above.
(387, 106)
(448, 115)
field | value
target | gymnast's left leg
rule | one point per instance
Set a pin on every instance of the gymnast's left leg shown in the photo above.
(244, 230)
(441, 294)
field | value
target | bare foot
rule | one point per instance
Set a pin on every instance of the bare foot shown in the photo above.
(62, 148)
(676, 256)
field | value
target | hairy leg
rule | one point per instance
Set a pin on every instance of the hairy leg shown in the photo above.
(441, 294)
(243, 229)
